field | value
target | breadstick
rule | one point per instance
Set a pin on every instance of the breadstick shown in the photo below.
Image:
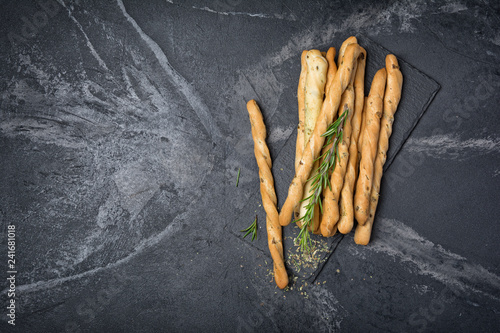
(331, 201)
(391, 100)
(327, 196)
(316, 141)
(330, 216)
(327, 189)
(332, 68)
(299, 147)
(370, 134)
(317, 67)
(331, 194)
(363, 123)
(350, 40)
(302, 206)
(274, 234)
(346, 220)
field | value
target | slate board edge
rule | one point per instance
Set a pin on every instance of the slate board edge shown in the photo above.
(335, 243)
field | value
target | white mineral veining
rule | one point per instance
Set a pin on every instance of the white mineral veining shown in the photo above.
(279, 134)
(279, 16)
(450, 146)
(423, 257)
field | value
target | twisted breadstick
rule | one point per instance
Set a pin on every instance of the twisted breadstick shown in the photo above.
(332, 68)
(317, 67)
(350, 40)
(346, 220)
(268, 194)
(331, 200)
(371, 130)
(325, 118)
(299, 147)
(391, 100)
(330, 215)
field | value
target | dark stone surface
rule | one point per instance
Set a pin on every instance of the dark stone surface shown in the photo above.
(123, 126)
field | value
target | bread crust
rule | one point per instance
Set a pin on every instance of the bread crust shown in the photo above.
(392, 97)
(371, 131)
(346, 220)
(267, 191)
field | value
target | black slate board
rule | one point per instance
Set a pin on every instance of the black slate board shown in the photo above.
(418, 92)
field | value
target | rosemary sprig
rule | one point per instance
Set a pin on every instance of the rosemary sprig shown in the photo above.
(252, 229)
(321, 179)
(238, 177)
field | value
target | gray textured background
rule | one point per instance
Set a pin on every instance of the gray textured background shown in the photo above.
(122, 129)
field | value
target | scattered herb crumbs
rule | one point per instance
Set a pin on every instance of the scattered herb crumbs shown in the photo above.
(310, 259)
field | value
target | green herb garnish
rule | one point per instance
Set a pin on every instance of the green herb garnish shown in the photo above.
(238, 177)
(252, 229)
(321, 178)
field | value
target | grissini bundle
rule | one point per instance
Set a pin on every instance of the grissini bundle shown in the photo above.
(317, 67)
(299, 147)
(371, 131)
(331, 201)
(274, 233)
(391, 100)
(346, 220)
(315, 144)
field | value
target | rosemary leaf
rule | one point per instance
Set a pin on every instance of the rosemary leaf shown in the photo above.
(252, 229)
